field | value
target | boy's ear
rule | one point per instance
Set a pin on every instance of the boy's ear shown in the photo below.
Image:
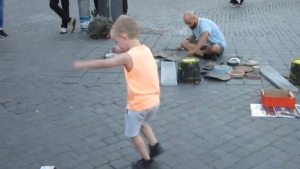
(123, 36)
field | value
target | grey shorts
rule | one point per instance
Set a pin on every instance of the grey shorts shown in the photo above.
(135, 120)
(203, 47)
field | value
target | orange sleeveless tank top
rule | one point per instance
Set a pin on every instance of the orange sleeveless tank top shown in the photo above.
(142, 81)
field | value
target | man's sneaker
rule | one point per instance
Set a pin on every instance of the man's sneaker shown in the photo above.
(3, 34)
(233, 6)
(63, 30)
(144, 164)
(155, 150)
(72, 24)
(94, 13)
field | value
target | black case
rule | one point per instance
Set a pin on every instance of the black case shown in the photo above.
(110, 8)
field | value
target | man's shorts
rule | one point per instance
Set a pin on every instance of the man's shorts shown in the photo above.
(204, 47)
(135, 120)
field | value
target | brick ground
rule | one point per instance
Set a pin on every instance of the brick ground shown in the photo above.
(53, 116)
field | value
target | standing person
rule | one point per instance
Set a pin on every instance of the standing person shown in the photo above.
(125, 7)
(94, 12)
(2, 33)
(64, 14)
(237, 3)
(206, 41)
(143, 87)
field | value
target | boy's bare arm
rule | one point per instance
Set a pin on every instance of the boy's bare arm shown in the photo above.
(120, 60)
(117, 49)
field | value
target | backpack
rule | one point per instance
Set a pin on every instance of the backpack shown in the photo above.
(100, 27)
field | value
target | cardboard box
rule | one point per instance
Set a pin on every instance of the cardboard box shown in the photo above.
(278, 98)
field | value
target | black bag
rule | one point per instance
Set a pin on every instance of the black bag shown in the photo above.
(100, 27)
(236, 2)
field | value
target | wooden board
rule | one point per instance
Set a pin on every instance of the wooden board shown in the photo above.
(252, 75)
(277, 79)
(168, 56)
(218, 76)
(168, 75)
(246, 69)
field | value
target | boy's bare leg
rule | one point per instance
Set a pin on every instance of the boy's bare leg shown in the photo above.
(148, 133)
(141, 147)
(154, 146)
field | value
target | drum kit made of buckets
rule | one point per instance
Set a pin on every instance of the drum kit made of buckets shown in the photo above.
(189, 70)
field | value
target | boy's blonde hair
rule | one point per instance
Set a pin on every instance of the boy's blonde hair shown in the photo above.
(125, 24)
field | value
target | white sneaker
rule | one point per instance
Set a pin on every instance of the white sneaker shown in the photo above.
(63, 30)
(233, 6)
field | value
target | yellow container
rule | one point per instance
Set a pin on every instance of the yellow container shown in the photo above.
(295, 72)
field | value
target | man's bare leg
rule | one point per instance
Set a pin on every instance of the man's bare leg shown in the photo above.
(209, 50)
(190, 46)
(212, 50)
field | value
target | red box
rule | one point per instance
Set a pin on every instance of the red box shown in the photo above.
(278, 98)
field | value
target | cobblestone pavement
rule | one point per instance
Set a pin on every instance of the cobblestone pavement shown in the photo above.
(50, 115)
(257, 18)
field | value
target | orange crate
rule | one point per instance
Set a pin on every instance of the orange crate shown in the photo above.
(278, 98)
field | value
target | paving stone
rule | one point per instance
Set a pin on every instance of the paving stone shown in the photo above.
(210, 122)
(98, 162)
(84, 165)
(82, 150)
(150, 41)
(235, 82)
(120, 163)
(253, 82)
(89, 78)
(263, 166)
(219, 164)
(240, 165)
(105, 167)
(67, 164)
(68, 80)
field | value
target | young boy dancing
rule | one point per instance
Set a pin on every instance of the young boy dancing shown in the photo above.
(143, 87)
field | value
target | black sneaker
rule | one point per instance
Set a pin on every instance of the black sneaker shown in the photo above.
(3, 34)
(143, 164)
(94, 13)
(155, 150)
(72, 24)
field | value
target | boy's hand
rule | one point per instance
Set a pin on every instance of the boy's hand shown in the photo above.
(116, 49)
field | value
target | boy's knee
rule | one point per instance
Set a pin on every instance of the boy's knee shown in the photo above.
(133, 136)
(132, 133)
(145, 126)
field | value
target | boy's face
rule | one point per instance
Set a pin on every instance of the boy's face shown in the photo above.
(121, 40)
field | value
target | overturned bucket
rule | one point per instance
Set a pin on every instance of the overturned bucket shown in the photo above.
(295, 73)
